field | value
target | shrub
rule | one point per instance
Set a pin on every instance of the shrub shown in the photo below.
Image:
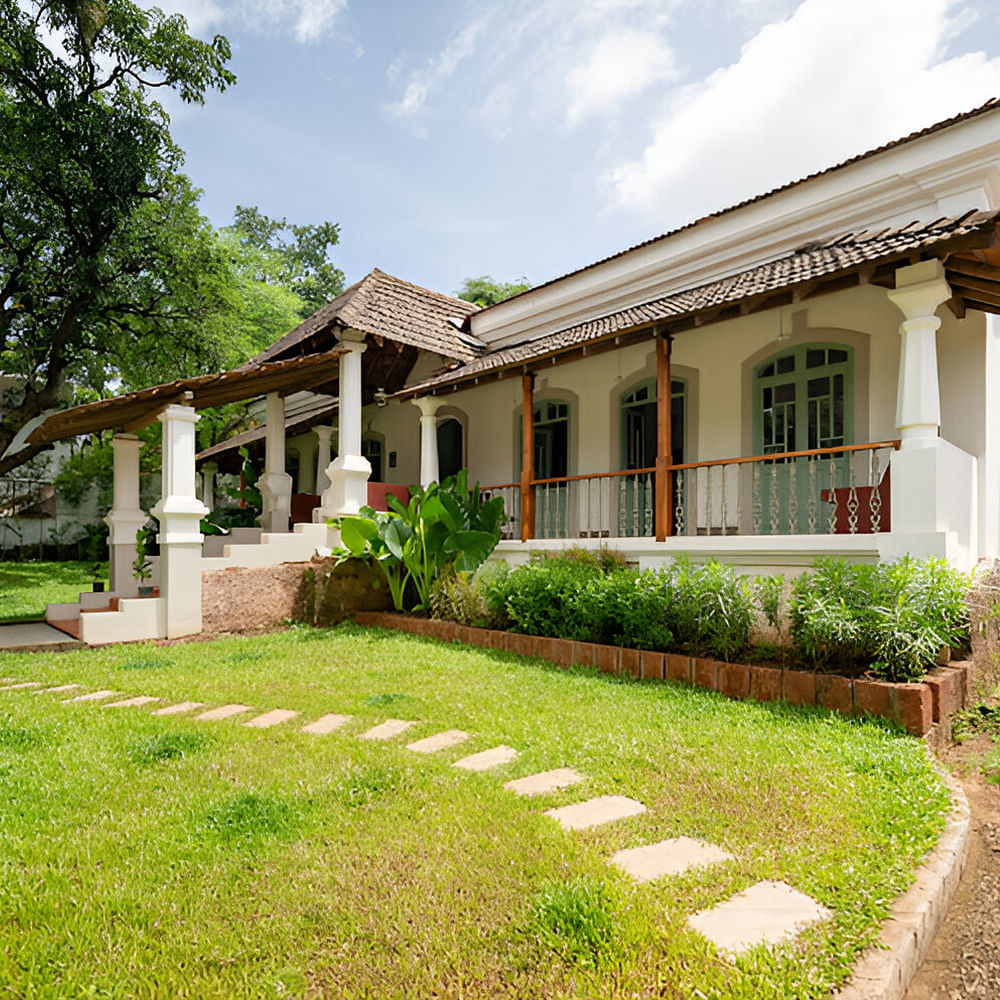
(892, 619)
(454, 597)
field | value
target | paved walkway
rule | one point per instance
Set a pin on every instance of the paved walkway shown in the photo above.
(33, 637)
(766, 913)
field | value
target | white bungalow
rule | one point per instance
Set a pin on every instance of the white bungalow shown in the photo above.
(814, 371)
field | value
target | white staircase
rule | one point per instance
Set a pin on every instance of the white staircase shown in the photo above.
(272, 548)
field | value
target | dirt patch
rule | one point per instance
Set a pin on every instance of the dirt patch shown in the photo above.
(964, 960)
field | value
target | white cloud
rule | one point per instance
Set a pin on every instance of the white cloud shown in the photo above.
(438, 70)
(621, 65)
(305, 20)
(834, 79)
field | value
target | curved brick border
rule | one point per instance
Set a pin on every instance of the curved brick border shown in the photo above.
(885, 972)
(923, 709)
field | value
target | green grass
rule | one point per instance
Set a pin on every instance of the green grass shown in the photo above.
(146, 856)
(25, 588)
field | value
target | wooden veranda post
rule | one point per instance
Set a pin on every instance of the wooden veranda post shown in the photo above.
(664, 457)
(527, 458)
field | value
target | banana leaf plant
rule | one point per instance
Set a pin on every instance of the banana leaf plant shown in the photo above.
(445, 526)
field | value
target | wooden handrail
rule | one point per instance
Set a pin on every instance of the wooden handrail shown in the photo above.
(809, 453)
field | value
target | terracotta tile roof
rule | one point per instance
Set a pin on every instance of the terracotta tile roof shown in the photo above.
(991, 105)
(817, 261)
(385, 306)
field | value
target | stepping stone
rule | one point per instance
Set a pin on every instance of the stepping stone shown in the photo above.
(326, 724)
(668, 857)
(439, 741)
(272, 718)
(22, 685)
(136, 702)
(766, 913)
(93, 696)
(57, 690)
(386, 730)
(184, 706)
(545, 781)
(223, 712)
(594, 812)
(486, 759)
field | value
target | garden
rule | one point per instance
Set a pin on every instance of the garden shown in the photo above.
(149, 856)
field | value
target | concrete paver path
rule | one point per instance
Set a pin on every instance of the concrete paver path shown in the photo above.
(273, 718)
(594, 812)
(58, 689)
(486, 759)
(326, 724)
(668, 857)
(137, 702)
(545, 781)
(439, 741)
(179, 708)
(386, 730)
(766, 913)
(92, 696)
(223, 712)
(21, 685)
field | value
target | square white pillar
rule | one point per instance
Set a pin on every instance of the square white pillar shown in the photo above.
(275, 484)
(179, 512)
(126, 516)
(349, 471)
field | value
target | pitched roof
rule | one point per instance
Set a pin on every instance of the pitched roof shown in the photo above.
(812, 265)
(991, 105)
(385, 306)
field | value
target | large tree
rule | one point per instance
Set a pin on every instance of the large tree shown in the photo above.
(106, 267)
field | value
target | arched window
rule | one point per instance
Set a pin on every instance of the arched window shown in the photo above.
(638, 423)
(450, 447)
(803, 399)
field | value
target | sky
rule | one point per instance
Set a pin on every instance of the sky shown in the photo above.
(453, 138)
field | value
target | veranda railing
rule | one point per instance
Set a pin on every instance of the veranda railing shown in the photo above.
(842, 490)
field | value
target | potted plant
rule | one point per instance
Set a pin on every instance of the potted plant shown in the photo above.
(142, 568)
(97, 585)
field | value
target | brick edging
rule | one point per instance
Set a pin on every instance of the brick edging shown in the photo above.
(886, 971)
(920, 708)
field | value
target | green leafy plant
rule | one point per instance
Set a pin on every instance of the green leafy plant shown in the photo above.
(445, 526)
(249, 507)
(142, 568)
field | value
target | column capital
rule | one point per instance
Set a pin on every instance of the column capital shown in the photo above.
(180, 412)
(353, 340)
(324, 433)
(920, 289)
(428, 405)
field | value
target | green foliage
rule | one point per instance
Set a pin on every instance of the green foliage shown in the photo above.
(485, 291)
(142, 568)
(25, 588)
(977, 721)
(275, 252)
(106, 267)
(247, 816)
(892, 618)
(579, 919)
(165, 746)
(446, 526)
(250, 503)
(455, 598)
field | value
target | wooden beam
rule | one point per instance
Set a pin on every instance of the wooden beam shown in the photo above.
(973, 268)
(957, 305)
(664, 455)
(527, 457)
(975, 284)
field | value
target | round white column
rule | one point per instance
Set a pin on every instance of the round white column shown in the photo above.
(323, 435)
(275, 484)
(429, 465)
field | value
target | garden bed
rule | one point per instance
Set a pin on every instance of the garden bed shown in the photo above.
(920, 708)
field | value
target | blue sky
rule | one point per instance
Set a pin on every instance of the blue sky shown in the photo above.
(530, 137)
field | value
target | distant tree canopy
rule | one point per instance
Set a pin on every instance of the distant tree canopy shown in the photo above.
(485, 291)
(106, 267)
(110, 276)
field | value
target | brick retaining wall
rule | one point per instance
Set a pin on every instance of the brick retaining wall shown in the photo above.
(919, 708)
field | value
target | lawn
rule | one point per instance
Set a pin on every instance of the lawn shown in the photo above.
(25, 588)
(149, 856)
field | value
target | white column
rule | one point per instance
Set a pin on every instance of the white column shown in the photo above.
(126, 516)
(429, 467)
(208, 473)
(920, 289)
(179, 512)
(275, 484)
(306, 481)
(323, 435)
(349, 471)
(933, 483)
